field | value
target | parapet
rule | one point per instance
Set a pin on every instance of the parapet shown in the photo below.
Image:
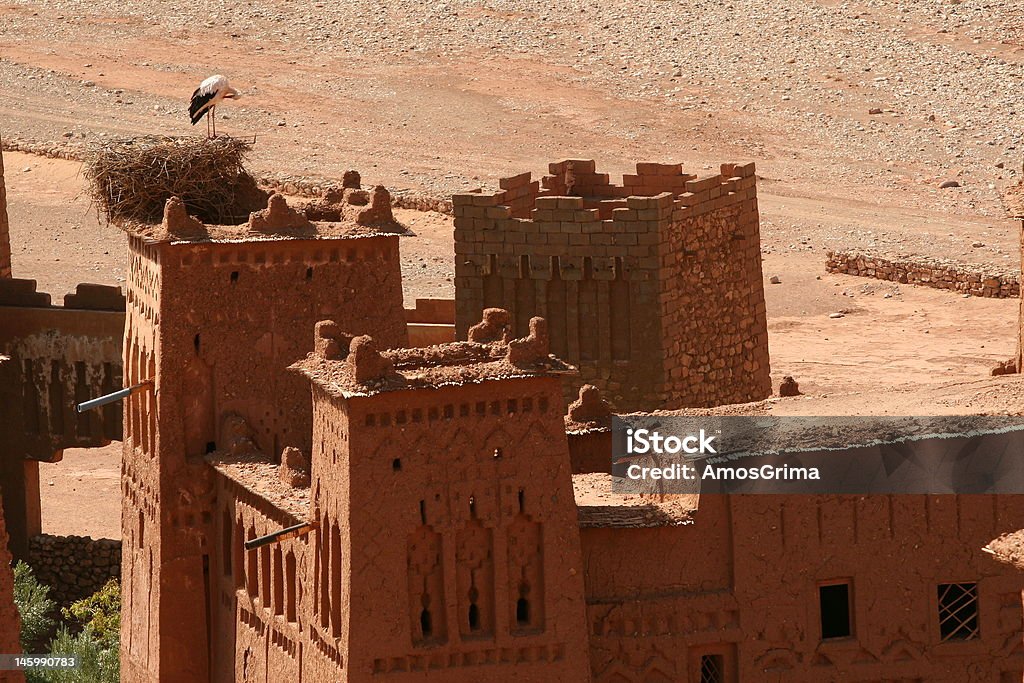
(347, 366)
(353, 213)
(94, 297)
(575, 219)
(18, 292)
(574, 192)
(589, 412)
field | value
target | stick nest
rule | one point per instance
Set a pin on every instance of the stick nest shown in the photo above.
(130, 179)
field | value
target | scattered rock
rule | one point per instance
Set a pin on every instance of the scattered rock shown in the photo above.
(789, 387)
(775, 280)
(836, 315)
(1006, 367)
(949, 183)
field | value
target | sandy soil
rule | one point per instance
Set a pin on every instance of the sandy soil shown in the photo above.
(81, 494)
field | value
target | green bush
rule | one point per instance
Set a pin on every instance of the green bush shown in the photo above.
(35, 607)
(97, 645)
(100, 612)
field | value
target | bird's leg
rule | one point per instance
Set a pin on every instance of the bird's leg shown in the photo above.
(207, 125)
(214, 110)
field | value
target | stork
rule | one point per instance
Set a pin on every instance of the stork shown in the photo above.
(205, 99)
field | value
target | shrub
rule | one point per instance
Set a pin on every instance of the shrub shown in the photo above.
(100, 612)
(35, 607)
(98, 662)
(97, 645)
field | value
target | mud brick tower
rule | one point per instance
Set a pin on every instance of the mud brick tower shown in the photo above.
(448, 533)
(215, 316)
(653, 288)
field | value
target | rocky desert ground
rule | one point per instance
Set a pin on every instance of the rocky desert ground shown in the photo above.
(856, 114)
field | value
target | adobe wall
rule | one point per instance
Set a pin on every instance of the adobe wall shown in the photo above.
(613, 269)
(478, 515)
(261, 595)
(60, 356)
(217, 324)
(742, 582)
(10, 622)
(5, 228)
(74, 567)
(430, 322)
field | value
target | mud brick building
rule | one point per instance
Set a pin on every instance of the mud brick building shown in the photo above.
(653, 288)
(440, 479)
(215, 316)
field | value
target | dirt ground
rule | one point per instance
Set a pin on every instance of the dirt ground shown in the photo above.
(855, 113)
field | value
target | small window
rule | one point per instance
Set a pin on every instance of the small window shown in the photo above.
(958, 611)
(426, 623)
(523, 612)
(712, 669)
(834, 601)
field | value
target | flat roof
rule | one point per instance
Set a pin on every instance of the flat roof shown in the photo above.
(432, 367)
(256, 473)
(242, 233)
(597, 506)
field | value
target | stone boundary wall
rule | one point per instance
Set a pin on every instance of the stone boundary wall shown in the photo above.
(975, 279)
(74, 567)
(297, 186)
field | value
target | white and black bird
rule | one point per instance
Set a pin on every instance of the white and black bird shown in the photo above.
(205, 99)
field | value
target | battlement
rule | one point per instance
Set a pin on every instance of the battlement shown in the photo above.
(355, 213)
(347, 366)
(575, 193)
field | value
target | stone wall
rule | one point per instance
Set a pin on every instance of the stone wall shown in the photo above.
(651, 288)
(74, 567)
(978, 280)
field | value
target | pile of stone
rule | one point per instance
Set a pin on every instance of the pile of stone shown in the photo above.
(74, 567)
(977, 280)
